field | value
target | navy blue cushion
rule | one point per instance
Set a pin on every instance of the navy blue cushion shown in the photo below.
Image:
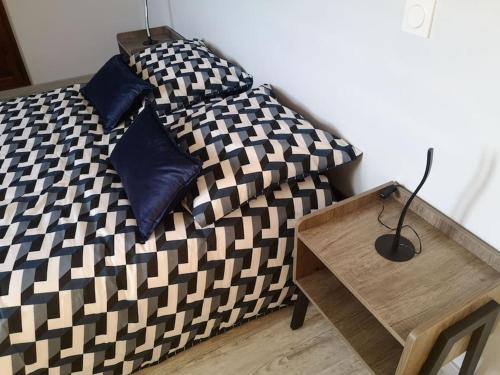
(155, 173)
(115, 91)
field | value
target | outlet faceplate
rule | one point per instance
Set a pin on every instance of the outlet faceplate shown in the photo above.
(418, 17)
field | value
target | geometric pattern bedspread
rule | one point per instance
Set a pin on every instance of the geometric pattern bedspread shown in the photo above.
(78, 294)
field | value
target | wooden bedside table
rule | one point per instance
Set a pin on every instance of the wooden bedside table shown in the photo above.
(401, 318)
(132, 41)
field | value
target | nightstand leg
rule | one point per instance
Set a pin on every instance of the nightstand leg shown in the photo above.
(475, 349)
(479, 325)
(299, 311)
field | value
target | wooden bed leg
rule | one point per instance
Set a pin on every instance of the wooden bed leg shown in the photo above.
(479, 325)
(299, 311)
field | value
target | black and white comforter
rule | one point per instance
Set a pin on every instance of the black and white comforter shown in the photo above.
(78, 294)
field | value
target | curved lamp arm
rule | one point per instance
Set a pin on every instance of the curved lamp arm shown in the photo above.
(146, 15)
(430, 155)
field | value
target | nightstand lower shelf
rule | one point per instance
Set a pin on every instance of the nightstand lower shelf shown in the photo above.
(374, 344)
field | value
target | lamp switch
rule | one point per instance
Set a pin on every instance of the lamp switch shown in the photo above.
(418, 17)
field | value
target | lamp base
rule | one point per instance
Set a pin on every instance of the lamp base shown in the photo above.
(150, 42)
(404, 252)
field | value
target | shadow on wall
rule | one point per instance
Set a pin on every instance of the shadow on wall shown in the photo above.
(308, 115)
(284, 98)
(476, 186)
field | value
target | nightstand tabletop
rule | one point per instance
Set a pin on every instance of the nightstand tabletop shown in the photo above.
(401, 295)
(131, 42)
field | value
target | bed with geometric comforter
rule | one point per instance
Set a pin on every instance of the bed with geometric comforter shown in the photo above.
(78, 293)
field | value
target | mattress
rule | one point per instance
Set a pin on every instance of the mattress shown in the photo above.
(78, 293)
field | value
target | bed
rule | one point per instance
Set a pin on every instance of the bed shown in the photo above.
(79, 294)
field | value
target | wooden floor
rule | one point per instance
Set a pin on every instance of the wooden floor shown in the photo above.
(268, 346)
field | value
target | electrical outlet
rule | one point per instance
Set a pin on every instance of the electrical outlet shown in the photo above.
(418, 17)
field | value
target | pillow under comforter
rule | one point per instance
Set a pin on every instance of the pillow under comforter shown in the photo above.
(249, 143)
(185, 72)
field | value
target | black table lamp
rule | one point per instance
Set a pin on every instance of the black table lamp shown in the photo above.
(395, 247)
(149, 41)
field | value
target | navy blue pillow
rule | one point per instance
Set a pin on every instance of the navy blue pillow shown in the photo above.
(155, 173)
(115, 91)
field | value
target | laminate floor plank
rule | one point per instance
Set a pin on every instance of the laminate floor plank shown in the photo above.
(268, 346)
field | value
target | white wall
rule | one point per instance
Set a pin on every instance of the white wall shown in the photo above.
(390, 93)
(68, 38)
